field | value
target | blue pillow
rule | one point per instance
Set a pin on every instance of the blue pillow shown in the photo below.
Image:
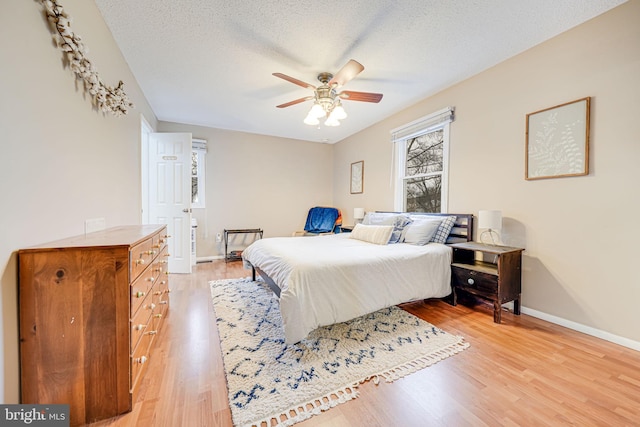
(399, 223)
(444, 229)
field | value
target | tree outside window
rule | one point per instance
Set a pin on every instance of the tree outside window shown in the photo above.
(422, 173)
(199, 150)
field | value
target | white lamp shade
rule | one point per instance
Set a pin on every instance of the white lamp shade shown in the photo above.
(311, 120)
(358, 213)
(317, 111)
(331, 121)
(338, 112)
(490, 219)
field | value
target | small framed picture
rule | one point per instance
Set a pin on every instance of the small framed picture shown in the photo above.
(557, 141)
(357, 177)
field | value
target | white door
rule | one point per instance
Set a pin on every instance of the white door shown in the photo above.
(169, 190)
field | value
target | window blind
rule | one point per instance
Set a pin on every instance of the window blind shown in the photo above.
(423, 124)
(199, 144)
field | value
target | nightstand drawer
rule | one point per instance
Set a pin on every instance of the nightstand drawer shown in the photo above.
(474, 280)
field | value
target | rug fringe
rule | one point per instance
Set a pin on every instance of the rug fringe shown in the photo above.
(422, 362)
(307, 410)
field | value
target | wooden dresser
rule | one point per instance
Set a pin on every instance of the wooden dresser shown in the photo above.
(90, 308)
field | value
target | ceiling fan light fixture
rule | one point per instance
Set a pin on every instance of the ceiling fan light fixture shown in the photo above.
(326, 99)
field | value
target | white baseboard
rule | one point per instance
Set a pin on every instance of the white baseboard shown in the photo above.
(625, 342)
(208, 258)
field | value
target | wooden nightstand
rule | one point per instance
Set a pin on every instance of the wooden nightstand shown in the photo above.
(497, 277)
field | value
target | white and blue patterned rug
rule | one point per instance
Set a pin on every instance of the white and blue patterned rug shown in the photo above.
(268, 380)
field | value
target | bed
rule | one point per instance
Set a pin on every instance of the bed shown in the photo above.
(329, 279)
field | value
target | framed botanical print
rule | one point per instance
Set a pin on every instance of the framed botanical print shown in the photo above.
(557, 141)
(357, 177)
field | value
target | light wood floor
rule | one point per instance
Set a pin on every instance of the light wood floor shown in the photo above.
(524, 372)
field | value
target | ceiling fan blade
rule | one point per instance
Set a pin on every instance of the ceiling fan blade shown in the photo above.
(297, 101)
(295, 81)
(360, 96)
(346, 73)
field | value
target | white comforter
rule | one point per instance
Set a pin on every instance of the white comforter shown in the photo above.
(331, 279)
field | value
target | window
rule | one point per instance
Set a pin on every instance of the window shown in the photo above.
(422, 149)
(198, 154)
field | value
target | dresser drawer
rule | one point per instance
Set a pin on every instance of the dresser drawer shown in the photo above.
(142, 256)
(140, 357)
(141, 322)
(140, 289)
(159, 241)
(160, 264)
(467, 279)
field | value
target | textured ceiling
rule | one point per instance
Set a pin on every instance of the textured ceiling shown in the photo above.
(209, 62)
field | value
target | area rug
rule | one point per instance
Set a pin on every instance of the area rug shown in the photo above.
(273, 383)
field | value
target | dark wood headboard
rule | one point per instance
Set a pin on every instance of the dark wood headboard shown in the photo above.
(462, 230)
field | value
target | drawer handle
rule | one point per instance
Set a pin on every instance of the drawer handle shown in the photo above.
(158, 316)
(151, 333)
(150, 252)
(140, 294)
(167, 254)
(158, 293)
(140, 327)
(151, 306)
(151, 279)
(140, 261)
(141, 360)
(164, 302)
(163, 282)
(157, 246)
(471, 281)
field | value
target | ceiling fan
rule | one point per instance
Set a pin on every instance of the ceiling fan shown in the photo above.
(327, 101)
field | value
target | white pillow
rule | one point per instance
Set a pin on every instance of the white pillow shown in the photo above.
(379, 218)
(421, 232)
(378, 234)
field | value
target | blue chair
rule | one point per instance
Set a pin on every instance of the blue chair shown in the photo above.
(321, 220)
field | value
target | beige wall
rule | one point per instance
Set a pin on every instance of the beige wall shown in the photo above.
(579, 232)
(257, 181)
(62, 161)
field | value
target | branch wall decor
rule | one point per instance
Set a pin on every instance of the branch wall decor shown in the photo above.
(106, 98)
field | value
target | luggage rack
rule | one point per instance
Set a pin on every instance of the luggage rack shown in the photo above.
(237, 254)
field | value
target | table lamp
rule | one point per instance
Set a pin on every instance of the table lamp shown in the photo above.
(491, 221)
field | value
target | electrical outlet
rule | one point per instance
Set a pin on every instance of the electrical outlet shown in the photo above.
(94, 224)
(218, 237)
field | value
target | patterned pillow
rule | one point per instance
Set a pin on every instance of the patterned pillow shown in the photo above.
(442, 233)
(399, 223)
